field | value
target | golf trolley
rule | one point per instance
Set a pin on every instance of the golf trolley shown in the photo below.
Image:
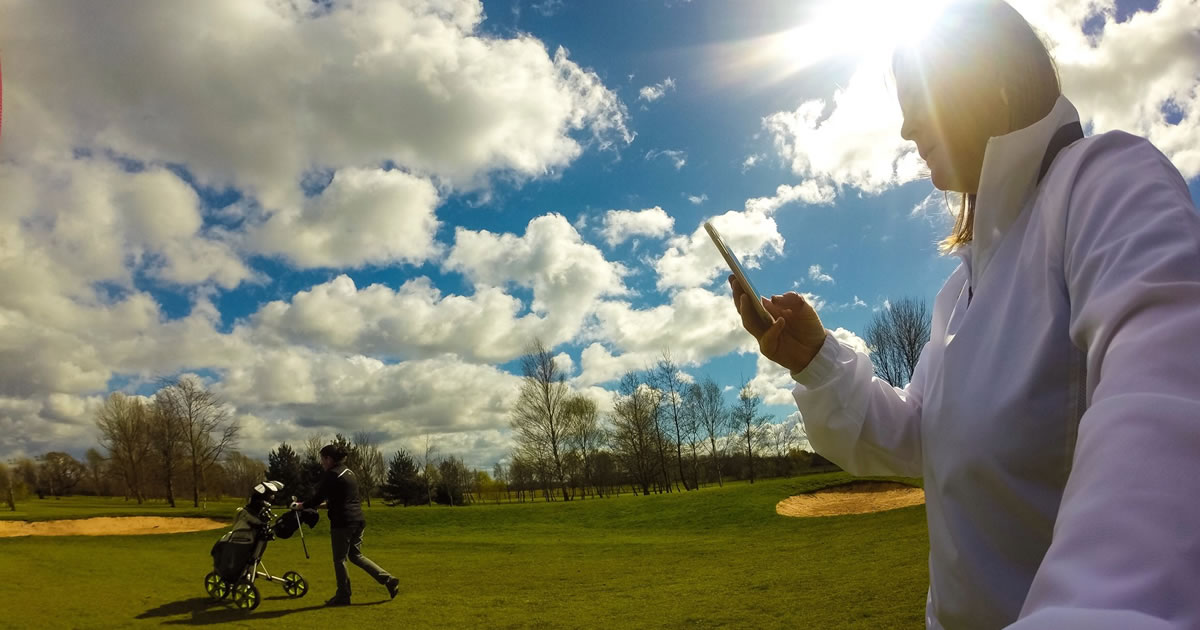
(237, 556)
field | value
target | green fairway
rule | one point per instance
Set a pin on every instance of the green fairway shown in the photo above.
(717, 557)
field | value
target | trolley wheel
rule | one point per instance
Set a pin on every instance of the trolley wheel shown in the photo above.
(294, 584)
(245, 595)
(215, 586)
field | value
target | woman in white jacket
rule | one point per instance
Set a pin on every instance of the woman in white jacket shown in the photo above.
(1055, 412)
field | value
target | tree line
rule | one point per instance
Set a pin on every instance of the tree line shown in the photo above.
(664, 434)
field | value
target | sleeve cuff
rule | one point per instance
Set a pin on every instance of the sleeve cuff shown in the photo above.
(822, 367)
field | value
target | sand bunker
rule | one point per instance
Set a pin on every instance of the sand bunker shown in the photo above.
(109, 526)
(859, 497)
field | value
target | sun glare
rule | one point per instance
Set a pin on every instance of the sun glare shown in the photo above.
(869, 28)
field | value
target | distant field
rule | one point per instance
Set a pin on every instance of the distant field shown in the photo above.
(712, 558)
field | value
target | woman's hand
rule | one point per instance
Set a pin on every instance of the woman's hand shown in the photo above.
(797, 334)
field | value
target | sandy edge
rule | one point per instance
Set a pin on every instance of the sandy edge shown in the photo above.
(109, 526)
(857, 497)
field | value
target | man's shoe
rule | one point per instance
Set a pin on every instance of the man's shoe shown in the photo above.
(393, 587)
(337, 600)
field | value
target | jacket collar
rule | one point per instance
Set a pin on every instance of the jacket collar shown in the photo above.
(1011, 166)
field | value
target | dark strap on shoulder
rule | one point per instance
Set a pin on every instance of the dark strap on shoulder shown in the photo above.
(1062, 139)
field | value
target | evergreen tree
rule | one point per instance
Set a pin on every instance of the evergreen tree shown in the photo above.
(403, 485)
(284, 466)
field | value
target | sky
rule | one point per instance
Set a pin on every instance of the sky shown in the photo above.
(355, 216)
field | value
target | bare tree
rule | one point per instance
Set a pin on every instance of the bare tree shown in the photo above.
(538, 418)
(586, 436)
(242, 472)
(29, 473)
(429, 466)
(896, 336)
(61, 472)
(95, 464)
(749, 422)
(634, 417)
(126, 433)
(207, 429)
(371, 471)
(712, 416)
(6, 486)
(667, 379)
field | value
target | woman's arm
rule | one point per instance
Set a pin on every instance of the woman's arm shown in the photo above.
(857, 420)
(1125, 551)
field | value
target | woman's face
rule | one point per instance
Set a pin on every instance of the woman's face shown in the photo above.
(949, 128)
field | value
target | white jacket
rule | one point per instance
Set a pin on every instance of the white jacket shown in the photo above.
(1055, 412)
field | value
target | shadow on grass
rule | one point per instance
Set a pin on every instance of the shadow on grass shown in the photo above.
(206, 611)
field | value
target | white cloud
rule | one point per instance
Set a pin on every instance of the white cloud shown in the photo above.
(363, 217)
(695, 326)
(566, 274)
(853, 140)
(751, 161)
(816, 275)
(282, 88)
(651, 93)
(621, 225)
(1123, 78)
(692, 260)
(697, 199)
(678, 158)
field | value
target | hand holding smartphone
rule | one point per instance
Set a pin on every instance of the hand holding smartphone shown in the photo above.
(736, 267)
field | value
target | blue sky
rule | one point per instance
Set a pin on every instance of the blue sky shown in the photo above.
(353, 217)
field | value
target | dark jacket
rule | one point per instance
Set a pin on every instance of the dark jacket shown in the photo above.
(338, 488)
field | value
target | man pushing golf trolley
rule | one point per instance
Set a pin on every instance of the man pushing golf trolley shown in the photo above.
(237, 556)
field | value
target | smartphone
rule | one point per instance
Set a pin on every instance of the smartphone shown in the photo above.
(736, 268)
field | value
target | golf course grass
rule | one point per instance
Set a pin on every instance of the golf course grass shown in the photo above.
(718, 557)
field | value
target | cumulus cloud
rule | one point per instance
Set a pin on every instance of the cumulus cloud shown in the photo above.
(651, 93)
(820, 277)
(364, 216)
(1141, 75)
(282, 88)
(692, 260)
(697, 199)
(621, 225)
(566, 274)
(695, 325)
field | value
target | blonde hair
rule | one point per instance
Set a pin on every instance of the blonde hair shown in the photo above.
(983, 61)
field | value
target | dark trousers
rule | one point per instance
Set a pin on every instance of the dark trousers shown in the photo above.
(347, 545)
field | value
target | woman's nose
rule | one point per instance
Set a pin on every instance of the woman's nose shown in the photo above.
(906, 130)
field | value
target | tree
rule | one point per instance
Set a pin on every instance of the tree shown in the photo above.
(166, 438)
(284, 466)
(403, 484)
(712, 416)
(370, 472)
(749, 422)
(6, 486)
(667, 379)
(126, 433)
(95, 464)
(585, 435)
(29, 473)
(896, 336)
(452, 481)
(60, 472)
(206, 427)
(634, 418)
(429, 466)
(538, 418)
(242, 473)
